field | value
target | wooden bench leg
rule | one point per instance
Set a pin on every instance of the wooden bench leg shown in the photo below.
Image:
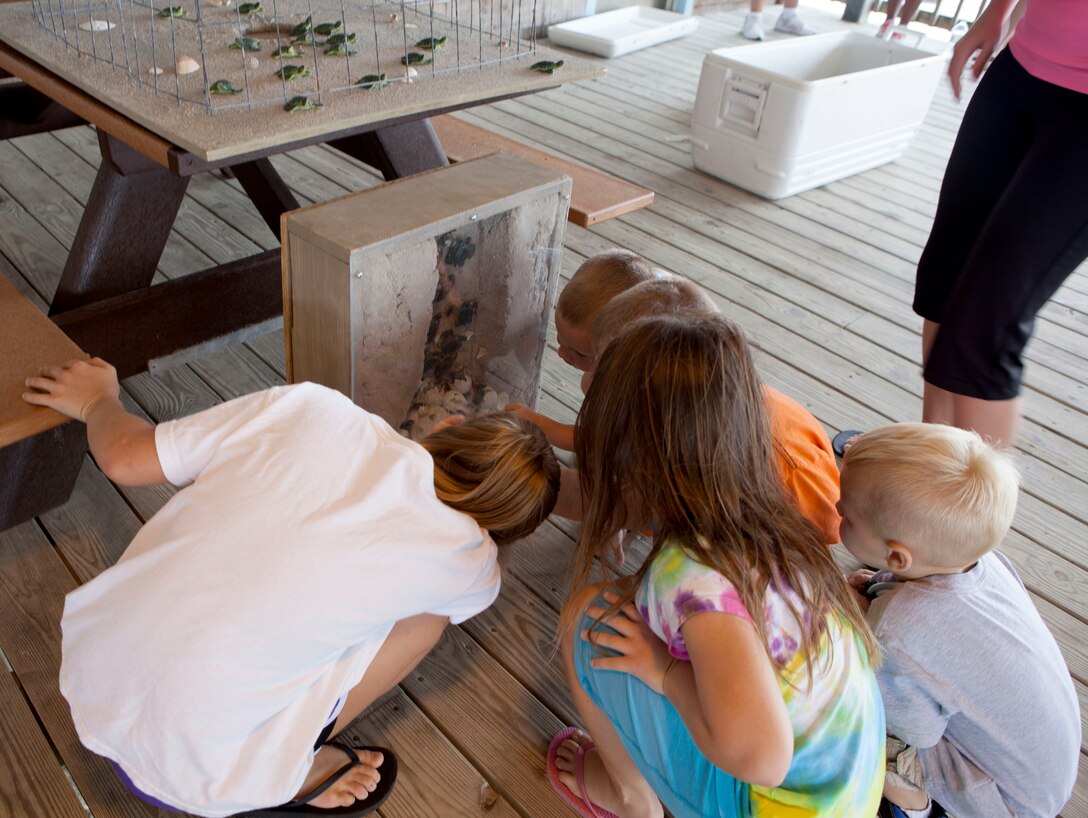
(266, 189)
(398, 150)
(124, 228)
(40, 472)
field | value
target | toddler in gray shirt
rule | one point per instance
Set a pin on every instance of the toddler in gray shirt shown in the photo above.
(981, 711)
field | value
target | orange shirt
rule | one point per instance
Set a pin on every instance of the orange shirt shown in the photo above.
(806, 460)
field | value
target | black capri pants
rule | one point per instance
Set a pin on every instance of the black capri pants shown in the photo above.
(1011, 225)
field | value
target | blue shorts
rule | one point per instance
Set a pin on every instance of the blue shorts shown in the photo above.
(658, 740)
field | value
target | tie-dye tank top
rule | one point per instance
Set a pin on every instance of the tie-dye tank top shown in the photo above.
(838, 725)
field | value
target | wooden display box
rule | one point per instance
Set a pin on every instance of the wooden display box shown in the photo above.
(437, 283)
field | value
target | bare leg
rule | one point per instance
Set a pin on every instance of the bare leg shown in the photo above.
(612, 779)
(910, 8)
(997, 421)
(937, 404)
(756, 6)
(410, 640)
(893, 7)
(905, 798)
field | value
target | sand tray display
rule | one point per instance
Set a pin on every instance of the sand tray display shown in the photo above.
(221, 78)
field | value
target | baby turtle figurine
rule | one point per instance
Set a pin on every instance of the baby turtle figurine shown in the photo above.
(173, 11)
(246, 44)
(300, 103)
(293, 72)
(250, 8)
(223, 87)
(285, 52)
(431, 43)
(325, 29)
(303, 28)
(414, 58)
(343, 37)
(373, 81)
(546, 66)
(339, 50)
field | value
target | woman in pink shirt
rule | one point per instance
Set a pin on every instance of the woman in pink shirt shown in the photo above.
(1012, 219)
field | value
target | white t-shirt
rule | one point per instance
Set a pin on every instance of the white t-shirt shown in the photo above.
(206, 661)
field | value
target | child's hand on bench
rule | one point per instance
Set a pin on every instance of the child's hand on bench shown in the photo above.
(75, 388)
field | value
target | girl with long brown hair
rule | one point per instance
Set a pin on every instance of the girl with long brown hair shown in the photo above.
(730, 675)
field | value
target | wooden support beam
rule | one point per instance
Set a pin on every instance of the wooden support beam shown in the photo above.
(155, 322)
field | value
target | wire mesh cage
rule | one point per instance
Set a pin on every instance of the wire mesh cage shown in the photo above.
(226, 54)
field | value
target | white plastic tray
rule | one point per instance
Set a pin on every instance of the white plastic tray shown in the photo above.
(622, 31)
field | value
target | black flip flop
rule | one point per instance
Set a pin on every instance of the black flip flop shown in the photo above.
(841, 441)
(292, 809)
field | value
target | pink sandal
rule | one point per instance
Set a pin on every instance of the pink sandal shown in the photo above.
(582, 805)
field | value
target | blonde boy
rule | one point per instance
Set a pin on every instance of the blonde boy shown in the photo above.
(982, 715)
(597, 281)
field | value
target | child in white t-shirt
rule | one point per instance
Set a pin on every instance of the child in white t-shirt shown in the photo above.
(311, 558)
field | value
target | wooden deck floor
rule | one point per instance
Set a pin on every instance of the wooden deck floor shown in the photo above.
(821, 281)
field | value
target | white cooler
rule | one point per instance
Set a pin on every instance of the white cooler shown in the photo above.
(781, 117)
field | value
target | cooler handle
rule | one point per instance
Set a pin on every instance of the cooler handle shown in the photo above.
(743, 99)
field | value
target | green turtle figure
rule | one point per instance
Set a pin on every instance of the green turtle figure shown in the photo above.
(300, 103)
(546, 66)
(373, 81)
(223, 87)
(293, 72)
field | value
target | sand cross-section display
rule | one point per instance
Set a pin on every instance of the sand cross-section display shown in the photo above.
(428, 296)
(270, 70)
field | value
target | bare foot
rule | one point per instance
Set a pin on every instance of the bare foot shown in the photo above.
(355, 785)
(602, 792)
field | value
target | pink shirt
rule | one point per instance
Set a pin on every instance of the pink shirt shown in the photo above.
(1051, 42)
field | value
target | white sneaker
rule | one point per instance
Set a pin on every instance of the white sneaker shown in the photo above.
(753, 26)
(793, 25)
(885, 30)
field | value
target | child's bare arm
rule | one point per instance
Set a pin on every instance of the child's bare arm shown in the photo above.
(729, 698)
(560, 435)
(122, 444)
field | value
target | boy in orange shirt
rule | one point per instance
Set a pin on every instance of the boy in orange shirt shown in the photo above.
(803, 450)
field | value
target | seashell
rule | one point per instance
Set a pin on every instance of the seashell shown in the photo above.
(154, 71)
(455, 402)
(186, 65)
(96, 25)
(252, 62)
(410, 72)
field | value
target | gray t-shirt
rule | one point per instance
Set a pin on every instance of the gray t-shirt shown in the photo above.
(974, 680)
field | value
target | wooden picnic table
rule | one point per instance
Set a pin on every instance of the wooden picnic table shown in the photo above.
(105, 300)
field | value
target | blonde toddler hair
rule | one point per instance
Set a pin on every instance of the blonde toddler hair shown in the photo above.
(939, 488)
(498, 469)
(597, 281)
(666, 295)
